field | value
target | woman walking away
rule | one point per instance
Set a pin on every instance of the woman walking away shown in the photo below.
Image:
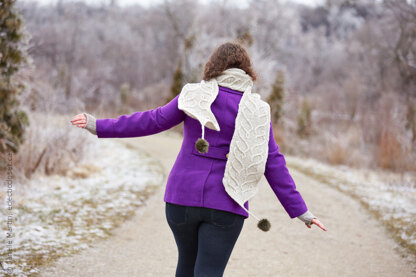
(228, 146)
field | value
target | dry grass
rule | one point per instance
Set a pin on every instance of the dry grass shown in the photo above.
(52, 146)
(82, 171)
(389, 151)
(336, 154)
(345, 147)
(371, 138)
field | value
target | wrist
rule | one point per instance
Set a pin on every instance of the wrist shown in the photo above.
(91, 125)
(307, 217)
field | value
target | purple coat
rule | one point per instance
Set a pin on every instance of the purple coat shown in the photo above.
(195, 178)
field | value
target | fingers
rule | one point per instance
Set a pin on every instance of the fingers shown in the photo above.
(82, 125)
(80, 120)
(79, 117)
(319, 224)
(316, 222)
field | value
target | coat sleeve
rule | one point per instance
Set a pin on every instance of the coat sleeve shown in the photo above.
(142, 123)
(281, 182)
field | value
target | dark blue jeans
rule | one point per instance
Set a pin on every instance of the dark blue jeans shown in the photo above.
(205, 238)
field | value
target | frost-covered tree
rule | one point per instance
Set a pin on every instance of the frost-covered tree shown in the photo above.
(343, 54)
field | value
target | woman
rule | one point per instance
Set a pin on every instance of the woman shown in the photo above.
(203, 209)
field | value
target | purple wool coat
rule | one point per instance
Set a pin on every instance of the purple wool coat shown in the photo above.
(196, 178)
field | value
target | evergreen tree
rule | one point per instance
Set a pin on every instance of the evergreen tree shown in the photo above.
(244, 37)
(411, 119)
(125, 94)
(276, 97)
(304, 119)
(177, 82)
(12, 56)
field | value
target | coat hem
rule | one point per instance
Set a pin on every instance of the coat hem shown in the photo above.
(204, 206)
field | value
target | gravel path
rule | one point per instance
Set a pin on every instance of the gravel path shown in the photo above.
(354, 245)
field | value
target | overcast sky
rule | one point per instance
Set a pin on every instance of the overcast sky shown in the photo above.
(149, 2)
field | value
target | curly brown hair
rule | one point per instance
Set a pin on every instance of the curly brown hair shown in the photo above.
(228, 55)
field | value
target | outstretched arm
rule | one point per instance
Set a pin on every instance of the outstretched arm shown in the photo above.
(281, 182)
(138, 124)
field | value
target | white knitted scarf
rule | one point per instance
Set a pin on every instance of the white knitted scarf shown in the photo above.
(249, 145)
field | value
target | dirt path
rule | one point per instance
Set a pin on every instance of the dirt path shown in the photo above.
(354, 245)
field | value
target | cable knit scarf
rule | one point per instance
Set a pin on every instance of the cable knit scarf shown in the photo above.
(249, 145)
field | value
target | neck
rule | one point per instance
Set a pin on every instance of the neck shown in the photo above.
(235, 78)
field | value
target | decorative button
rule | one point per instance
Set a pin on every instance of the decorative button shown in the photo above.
(226, 155)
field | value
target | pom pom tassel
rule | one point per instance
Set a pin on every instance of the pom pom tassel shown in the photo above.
(264, 225)
(202, 145)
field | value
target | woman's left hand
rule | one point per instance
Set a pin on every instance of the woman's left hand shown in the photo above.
(316, 222)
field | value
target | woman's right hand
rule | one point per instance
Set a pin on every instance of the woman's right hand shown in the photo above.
(80, 120)
(86, 121)
(316, 222)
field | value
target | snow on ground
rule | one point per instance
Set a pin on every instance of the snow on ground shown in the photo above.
(388, 196)
(60, 215)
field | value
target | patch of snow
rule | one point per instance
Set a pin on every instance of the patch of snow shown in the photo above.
(58, 215)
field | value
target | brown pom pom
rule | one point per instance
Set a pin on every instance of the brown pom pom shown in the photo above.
(264, 225)
(202, 145)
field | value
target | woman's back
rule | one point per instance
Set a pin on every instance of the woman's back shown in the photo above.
(196, 178)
